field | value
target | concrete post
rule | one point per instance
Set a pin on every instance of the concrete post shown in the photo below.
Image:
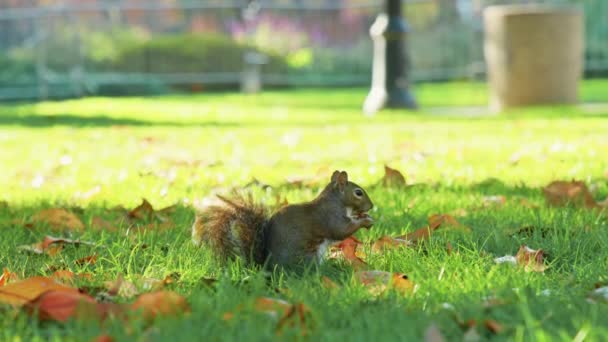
(534, 54)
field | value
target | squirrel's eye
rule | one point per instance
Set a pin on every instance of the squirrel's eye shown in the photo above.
(358, 192)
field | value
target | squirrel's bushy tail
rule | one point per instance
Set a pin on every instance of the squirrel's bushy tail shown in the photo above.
(235, 228)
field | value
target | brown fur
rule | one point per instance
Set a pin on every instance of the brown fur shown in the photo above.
(233, 229)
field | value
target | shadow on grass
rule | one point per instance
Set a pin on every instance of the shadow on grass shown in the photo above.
(95, 121)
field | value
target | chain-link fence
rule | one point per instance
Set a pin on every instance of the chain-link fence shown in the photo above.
(118, 47)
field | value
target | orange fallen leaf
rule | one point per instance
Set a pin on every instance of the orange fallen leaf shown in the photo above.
(58, 219)
(60, 306)
(88, 260)
(158, 303)
(387, 242)
(21, 292)
(561, 193)
(296, 314)
(7, 276)
(530, 259)
(104, 338)
(379, 281)
(392, 177)
(348, 247)
(435, 222)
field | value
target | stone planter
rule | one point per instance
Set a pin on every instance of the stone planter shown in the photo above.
(534, 54)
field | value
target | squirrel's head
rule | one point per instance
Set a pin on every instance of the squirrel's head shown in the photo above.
(352, 195)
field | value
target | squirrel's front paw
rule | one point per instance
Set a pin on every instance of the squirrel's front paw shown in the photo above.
(364, 220)
(367, 222)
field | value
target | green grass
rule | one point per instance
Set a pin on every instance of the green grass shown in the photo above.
(183, 148)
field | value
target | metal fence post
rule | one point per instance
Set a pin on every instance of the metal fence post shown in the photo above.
(390, 85)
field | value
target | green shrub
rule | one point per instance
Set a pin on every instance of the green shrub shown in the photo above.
(189, 54)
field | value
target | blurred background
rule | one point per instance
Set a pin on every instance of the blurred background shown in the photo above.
(71, 48)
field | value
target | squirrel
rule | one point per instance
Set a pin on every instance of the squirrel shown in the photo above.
(295, 234)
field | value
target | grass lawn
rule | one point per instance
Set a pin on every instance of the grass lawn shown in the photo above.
(94, 154)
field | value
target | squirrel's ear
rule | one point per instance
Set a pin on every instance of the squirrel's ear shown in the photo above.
(342, 180)
(334, 176)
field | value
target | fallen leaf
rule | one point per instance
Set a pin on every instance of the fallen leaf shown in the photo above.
(296, 314)
(60, 306)
(7, 276)
(348, 247)
(530, 259)
(88, 260)
(561, 193)
(392, 177)
(433, 334)
(387, 242)
(58, 219)
(46, 246)
(144, 211)
(286, 313)
(379, 281)
(493, 326)
(99, 223)
(435, 222)
(67, 276)
(24, 291)
(104, 338)
(121, 287)
(160, 303)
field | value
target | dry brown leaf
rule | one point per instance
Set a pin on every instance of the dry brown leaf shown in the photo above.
(348, 247)
(121, 287)
(433, 334)
(99, 223)
(24, 291)
(392, 177)
(387, 242)
(144, 211)
(161, 303)
(288, 314)
(378, 281)
(58, 219)
(67, 276)
(88, 260)
(561, 193)
(493, 326)
(435, 222)
(51, 245)
(530, 259)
